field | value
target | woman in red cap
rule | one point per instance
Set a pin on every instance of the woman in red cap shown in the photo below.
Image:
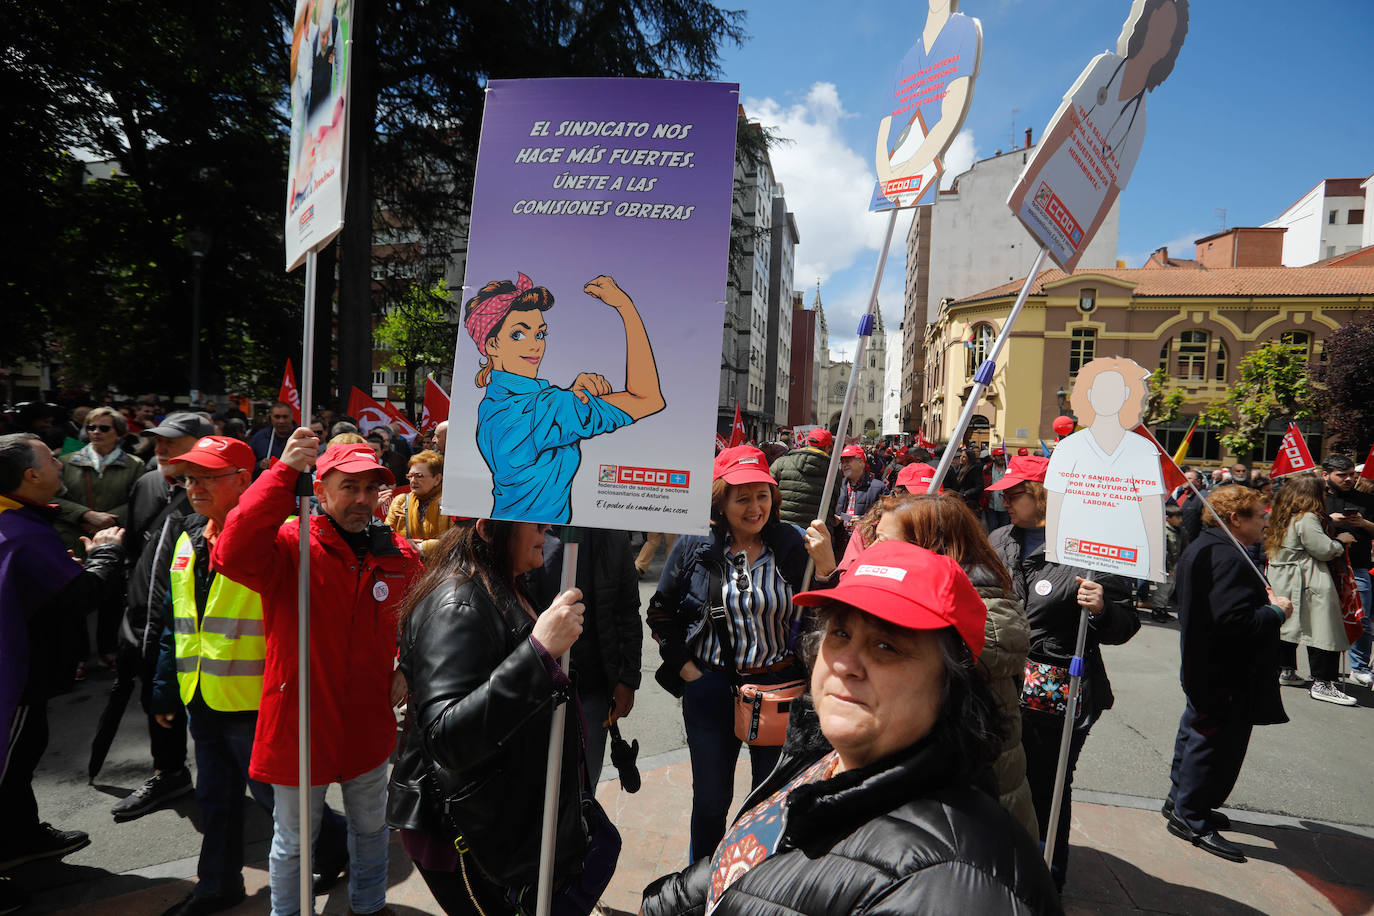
(881, 803)
(746, 571)
(1053, 595)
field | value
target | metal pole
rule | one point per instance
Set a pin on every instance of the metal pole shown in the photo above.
(983, 377)
(865, 331)
(1061, 773)
(198, 257)
(572, 538)
(303, 490)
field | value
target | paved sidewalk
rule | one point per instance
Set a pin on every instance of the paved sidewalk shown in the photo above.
(1122, 861)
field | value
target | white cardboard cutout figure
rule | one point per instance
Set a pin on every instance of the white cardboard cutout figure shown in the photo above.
(1105, 492)
(1093, 141)
(931, 95)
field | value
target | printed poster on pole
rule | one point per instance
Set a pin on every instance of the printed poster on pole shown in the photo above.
(585, 374)
(931, 94)
(1105, 485)
(1093, 141)
(319, 66)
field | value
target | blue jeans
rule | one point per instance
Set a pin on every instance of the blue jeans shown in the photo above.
(708, 714)
(364, 800)
(595, 703)
(1359, 650)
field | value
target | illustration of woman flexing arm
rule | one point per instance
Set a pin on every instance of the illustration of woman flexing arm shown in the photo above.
(530, 432)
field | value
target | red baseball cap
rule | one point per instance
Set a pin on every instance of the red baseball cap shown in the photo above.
(1022, 468)
(1023, 451)
(215, 453)
(852, 451)
(352, 459)
(916, 477)
(741, 464)
(999, 451)
(911, 587)
(820, 437)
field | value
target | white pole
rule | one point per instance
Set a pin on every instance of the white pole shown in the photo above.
(303, 490)
(1061, 772)
(865, 331)
(553, 770)
(983, 377)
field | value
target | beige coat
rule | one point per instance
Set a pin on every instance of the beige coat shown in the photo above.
(1299, 572)
(1004, 657)
(403, 517)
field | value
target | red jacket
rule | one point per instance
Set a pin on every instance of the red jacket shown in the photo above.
(352, 625)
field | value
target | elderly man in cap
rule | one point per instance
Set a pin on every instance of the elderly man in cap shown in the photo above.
(359, 572)
(995, 515)
(211, 663)
(801, 475)
(156, 506)
(859, 491)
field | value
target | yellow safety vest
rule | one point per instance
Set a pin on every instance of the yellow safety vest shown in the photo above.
(225, 652)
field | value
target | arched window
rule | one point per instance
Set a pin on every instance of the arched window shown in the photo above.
(871, 390)
(1164, 357)
(982, 347)
(1221, 363)
(1192, 355)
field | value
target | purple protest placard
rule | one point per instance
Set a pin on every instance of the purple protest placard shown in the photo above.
(586, 372)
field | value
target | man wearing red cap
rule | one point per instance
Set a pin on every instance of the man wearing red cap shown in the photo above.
(359, 572)
(801, 475)
(858, 492)
(211, 661)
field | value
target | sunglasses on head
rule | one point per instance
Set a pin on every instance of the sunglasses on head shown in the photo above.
(98, 427)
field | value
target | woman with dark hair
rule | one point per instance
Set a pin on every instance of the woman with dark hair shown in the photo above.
(1054, 596)
(746, 570)
(528, 431)
(1300, 543)
(484, 679)
(883, 805)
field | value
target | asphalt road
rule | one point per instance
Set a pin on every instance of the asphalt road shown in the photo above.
(1316, 767)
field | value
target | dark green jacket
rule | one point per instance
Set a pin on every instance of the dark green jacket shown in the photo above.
(801, 478)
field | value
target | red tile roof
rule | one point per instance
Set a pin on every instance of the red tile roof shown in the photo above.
(1233, 281)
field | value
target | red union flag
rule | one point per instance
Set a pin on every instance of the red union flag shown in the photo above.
(366, 411)
(1367, 472)
(436, 406)
(737, 430)
(720, 443)
(1173, 476)
(398, 420)
(289, 393)
(1293, 454)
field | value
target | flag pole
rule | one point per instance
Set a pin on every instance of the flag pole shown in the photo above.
(865, 331)
(1076, 668)
(572, 539)
(303, 492)
(983, 377)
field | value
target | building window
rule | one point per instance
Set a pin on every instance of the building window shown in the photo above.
(1222, 359)
(1355, 217)
(1301, 341)
(871, 388)
(1087, 300)
(1192, 355)
(1082, 348)
(982, 346)
(1164, 357)
(1331, 218)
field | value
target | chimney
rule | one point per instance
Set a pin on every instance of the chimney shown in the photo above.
(1028, 138)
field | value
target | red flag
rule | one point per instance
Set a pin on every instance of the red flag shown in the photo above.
(436, 406)
(1293, 454)
(366, 411)
(923, 442)
(1173, 477)
(737, 431)
(398, 420)
(720, 443)
(289, 393)
(1368, 472)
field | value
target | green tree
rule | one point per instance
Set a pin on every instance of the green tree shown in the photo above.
(1274, 385)
(417, 331)
(1344, 387)
(1163, 405)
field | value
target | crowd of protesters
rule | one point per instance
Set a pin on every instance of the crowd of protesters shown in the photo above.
(923, 719)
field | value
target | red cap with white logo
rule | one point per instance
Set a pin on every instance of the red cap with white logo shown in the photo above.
(911, 587)
(352, 459)
(852, 451)
(215, 453)
(741, 464)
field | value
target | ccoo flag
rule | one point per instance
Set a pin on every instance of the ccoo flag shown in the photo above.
(436, 406)
(1293, 454)
(289, 393)
(737, 429)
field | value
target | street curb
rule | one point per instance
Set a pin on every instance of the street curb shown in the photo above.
(1258, 818)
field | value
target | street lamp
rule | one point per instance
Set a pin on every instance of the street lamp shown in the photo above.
(198, 244)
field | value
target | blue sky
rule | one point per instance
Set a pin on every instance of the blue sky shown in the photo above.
(1267, 98)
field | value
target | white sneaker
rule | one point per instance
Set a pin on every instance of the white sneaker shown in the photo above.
(1330, 693)
(1363, 678)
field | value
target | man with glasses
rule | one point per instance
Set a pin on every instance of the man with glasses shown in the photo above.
(415, 516)
(41, 589)
(156, 506)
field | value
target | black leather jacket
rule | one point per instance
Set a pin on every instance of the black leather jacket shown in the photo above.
(481, 701)
(906, 835)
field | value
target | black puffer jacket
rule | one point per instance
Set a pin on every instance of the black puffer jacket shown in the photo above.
(481, 700)
(1053, 615)
(906, 835)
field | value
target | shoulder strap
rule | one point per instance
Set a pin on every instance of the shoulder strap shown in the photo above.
(719, 619)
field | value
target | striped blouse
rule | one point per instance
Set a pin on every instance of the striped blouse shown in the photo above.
(759, 608)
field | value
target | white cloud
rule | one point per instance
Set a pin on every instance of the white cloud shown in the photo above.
(959, 158)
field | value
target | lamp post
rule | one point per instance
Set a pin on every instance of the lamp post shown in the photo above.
(198, 244)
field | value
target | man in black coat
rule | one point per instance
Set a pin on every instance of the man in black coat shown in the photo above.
(1229, 624)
